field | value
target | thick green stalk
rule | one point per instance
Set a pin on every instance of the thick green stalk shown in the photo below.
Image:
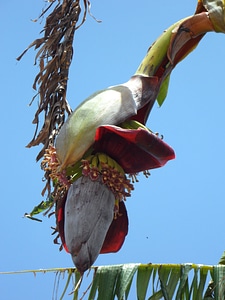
(156, 53)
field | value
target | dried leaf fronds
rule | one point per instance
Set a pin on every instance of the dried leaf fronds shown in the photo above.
(54, 58)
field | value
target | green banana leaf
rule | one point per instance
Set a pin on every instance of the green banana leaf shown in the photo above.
(147, 282)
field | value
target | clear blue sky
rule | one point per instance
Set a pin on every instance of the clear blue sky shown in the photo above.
(176, 215)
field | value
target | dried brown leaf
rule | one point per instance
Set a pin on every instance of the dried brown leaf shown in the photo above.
(54, 58)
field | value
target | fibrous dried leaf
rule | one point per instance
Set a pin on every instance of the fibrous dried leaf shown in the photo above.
(54, 58)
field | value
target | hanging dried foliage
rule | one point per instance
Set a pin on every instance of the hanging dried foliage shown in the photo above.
(54, 58)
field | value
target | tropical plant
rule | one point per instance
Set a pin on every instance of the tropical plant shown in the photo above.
(148, 281)
(93, 150)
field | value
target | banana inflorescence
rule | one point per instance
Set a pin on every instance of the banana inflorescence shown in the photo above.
(102, 166)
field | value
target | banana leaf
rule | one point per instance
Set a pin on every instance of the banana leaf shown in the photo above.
(140, 281)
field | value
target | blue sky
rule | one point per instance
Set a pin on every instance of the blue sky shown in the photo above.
(176, 215)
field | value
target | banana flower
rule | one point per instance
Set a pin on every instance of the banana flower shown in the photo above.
(92, 218)
(105, 142)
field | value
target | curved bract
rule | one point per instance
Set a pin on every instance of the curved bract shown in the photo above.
(135, 150)
(117, 231)
(216, 11)
(111, 106)
(84, 231)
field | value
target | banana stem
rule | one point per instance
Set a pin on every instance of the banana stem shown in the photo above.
(156, 53)
(174, 45)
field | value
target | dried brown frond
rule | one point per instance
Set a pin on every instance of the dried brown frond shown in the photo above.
(54, 58)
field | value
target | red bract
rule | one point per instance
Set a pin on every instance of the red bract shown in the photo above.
(60, 217)
(134, 150)
(117, 231)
